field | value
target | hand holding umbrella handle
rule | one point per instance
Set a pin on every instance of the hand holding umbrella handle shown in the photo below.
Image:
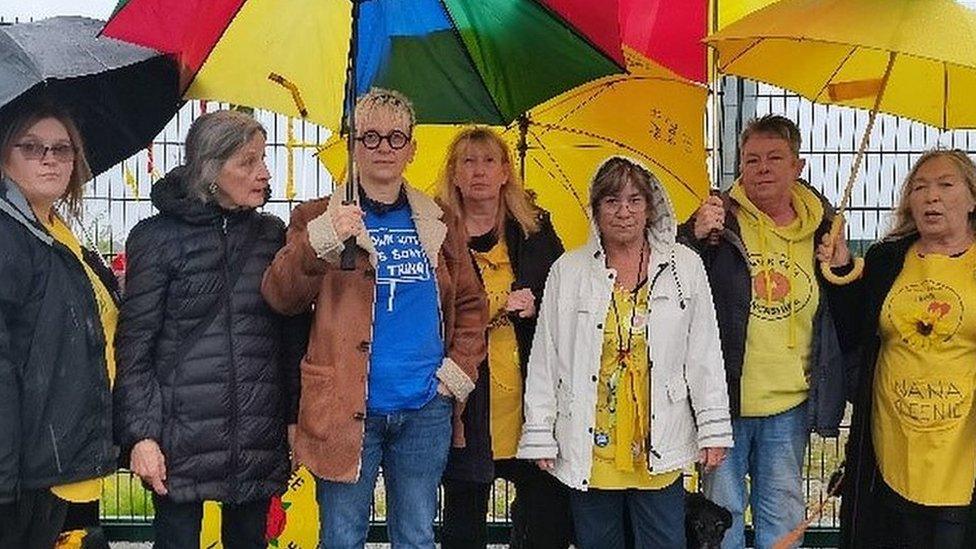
(833, 238)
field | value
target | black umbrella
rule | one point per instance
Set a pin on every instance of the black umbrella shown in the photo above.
(120, 95)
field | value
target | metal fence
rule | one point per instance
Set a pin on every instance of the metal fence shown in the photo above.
(119, 198)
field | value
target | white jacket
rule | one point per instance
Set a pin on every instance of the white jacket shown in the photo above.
(689, 400)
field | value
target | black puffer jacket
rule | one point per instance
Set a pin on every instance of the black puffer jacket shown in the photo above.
(55, 404)
(208, 371)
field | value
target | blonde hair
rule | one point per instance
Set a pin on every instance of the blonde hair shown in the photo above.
(514, 200)
(903, 223)
(389, 100)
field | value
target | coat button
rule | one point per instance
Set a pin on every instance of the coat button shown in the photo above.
(590, 430)
(593, 379)
(585, 482)
(599, 326)
(363, 346)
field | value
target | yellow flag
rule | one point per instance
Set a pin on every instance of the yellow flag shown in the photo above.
(130, 180)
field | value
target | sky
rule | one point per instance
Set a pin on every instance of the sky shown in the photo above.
(39, 9)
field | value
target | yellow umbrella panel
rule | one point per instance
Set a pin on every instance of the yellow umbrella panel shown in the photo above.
(836, 52)
(650, 115)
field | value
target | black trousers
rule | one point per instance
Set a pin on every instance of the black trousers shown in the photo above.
(540, 511)
(908, 525)
(33, 521)
(177, 525)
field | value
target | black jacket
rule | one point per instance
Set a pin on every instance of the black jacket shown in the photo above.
(206, 368)
(728, 274)
(55, 404)
(531, 259)
(859, 309)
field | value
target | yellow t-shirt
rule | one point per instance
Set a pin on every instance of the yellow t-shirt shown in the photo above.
(88, 490)
(785, 295)
(923, 423)
(505, 388)
(622, 405)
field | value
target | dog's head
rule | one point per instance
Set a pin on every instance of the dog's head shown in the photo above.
(706, 522)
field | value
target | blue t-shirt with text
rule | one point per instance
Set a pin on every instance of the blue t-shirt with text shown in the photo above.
(407, 346)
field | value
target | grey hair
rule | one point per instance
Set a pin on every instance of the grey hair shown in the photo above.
(212, 140)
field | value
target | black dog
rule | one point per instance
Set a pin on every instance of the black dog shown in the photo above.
(705, 522)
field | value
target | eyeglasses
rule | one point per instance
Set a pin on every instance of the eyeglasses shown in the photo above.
(634, 204)
(61, 152)
(372, 139)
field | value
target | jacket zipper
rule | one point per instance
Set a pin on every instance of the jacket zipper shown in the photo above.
(650, 363)
(228, 292)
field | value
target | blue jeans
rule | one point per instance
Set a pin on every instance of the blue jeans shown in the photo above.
(412, 447)
(656, 516)
(770, 450)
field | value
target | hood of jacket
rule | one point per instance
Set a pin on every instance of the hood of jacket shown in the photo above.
(662, 230)
(806, 202)
(14, 204)
(171, 196)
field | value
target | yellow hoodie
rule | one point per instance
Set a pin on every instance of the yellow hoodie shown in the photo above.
(784, 300)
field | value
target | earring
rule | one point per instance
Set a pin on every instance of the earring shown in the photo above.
(212, 188)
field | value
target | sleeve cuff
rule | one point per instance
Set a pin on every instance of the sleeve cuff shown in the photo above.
(537, 442)
(714, 428)
(458, 382)
(323, 238)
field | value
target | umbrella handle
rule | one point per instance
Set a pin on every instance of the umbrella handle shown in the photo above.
(348, 258)
(836, 225)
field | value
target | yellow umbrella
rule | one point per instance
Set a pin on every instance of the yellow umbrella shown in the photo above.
(910, 58)
(651, 115)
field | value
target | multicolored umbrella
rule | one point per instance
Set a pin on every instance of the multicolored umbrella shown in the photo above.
(486, 61)
(651, 115)
(120, 95)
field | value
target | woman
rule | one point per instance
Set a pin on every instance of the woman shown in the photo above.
(597, 415)
(514, 244)
(207, 372)
(58, 310)
(911, 455)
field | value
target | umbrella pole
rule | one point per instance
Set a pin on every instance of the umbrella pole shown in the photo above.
(523, 144)
(348, 258)
(838, 222)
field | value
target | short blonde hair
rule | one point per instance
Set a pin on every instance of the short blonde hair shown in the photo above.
(903, 223)
(389, 100)
(514, 200)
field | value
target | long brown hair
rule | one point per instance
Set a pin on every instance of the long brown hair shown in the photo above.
(903, 223)
(514, 200)
(14, 128)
